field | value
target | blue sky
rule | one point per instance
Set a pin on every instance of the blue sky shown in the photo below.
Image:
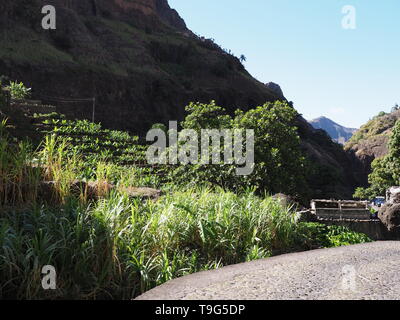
(346, 75)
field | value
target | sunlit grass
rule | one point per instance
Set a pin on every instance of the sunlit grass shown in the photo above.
(108, 245)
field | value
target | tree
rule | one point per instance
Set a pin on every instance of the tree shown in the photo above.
(279, 162)
(243, 58)
(206, 116)
(362, 194)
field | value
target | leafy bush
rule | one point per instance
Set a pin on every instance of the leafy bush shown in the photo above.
(19, 91)
(117, 247)
(342, 236)
(362, 194)
(279, 162)
(315, 235)
(160, 126)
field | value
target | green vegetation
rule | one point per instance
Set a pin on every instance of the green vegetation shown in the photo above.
(25, 46)
(64, 203)
(119, 247)
(279, 163)
(316, 235)
(379, 125)
(18, 90)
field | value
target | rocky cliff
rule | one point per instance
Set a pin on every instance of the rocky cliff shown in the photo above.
(143, 65)
(371, 141)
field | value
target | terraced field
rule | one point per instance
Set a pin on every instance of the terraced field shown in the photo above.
(91, 141)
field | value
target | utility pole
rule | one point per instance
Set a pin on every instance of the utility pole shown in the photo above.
(94, 108)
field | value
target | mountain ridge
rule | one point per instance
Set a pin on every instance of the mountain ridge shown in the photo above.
(143, 66)
(337, 132)
(136, 57)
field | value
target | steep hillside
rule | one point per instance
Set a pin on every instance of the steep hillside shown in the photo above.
(337, 132)
(143, 65)
(136, 57)
(335, 173)
(371, 141)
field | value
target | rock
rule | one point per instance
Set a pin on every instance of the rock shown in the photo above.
(389, 214)
(393, 195)
(46, 190)
(276, 88)
(372, 142)
(91, 190)
(146, 193)
(287, 201)
(307, 216)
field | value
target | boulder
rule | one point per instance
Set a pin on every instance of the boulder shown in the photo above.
(307, 216)
(92, 190)
(393, 195)
(389, 214)
(144, 193)
(276, 88)
(284, 199)
(288, 201)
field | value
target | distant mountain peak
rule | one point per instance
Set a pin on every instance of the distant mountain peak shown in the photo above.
(336, 131)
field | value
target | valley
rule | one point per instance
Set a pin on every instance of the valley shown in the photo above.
(134, 152)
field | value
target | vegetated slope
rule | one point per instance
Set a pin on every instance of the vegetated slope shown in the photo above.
(337, 132)
(371, 141)
(137, 57)
(143, 66)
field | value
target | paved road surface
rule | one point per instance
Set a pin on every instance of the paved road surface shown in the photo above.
(367, 271)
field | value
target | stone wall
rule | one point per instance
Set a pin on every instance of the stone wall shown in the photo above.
(340, 209)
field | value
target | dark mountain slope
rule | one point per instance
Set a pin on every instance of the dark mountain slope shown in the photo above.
(137, 57)
(143, 66)
(334, 173)
(337, 132)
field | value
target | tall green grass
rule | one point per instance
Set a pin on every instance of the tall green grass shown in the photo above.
(112, 246)
(119, 247)
(19, 177)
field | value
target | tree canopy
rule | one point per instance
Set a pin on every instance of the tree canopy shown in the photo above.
(279, 162)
